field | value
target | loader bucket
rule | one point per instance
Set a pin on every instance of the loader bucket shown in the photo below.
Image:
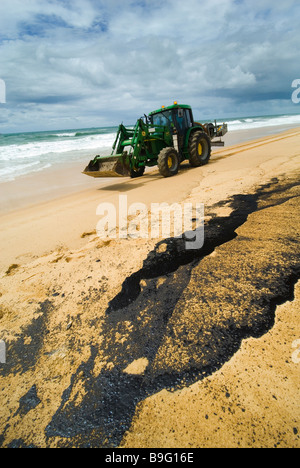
(112, 166)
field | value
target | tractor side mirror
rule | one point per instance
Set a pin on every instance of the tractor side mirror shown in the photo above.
(180, 113)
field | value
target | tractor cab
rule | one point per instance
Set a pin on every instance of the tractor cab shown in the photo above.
(179, 119)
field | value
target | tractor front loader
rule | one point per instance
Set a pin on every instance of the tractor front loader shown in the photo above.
(165, 138)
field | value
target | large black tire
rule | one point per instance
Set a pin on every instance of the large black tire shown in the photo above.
(134, 173)
(168, 162)
(199, 149)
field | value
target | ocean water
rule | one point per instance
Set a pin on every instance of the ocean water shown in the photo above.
(246, 123)
(25, 153)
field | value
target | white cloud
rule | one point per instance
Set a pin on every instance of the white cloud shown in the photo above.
(93, 62)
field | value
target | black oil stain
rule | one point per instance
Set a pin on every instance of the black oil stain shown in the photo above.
(20, 444)
(29, 401)
(20, 356)
(106, 411)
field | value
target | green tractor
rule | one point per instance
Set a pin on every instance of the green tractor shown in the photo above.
(164, 138)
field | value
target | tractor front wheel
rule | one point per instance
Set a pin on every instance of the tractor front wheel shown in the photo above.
(168, 162)
(199, 149)
(134, 173)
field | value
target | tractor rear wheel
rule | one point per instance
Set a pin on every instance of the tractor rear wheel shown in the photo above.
(168, 162)
(199, 149)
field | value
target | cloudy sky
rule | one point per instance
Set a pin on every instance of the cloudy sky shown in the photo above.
(89, 63)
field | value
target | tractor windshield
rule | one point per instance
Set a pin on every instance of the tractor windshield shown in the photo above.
(163, 118)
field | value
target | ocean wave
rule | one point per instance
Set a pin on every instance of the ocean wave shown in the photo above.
(39, 149)
(88, 133)
(63, 135)
(10, 173)
(265, 121)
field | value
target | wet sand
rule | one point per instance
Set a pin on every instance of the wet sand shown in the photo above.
(134, 342)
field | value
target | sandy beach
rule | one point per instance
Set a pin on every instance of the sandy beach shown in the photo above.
(137, 343)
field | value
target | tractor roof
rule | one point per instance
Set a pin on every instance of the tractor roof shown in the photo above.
(174, 106)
